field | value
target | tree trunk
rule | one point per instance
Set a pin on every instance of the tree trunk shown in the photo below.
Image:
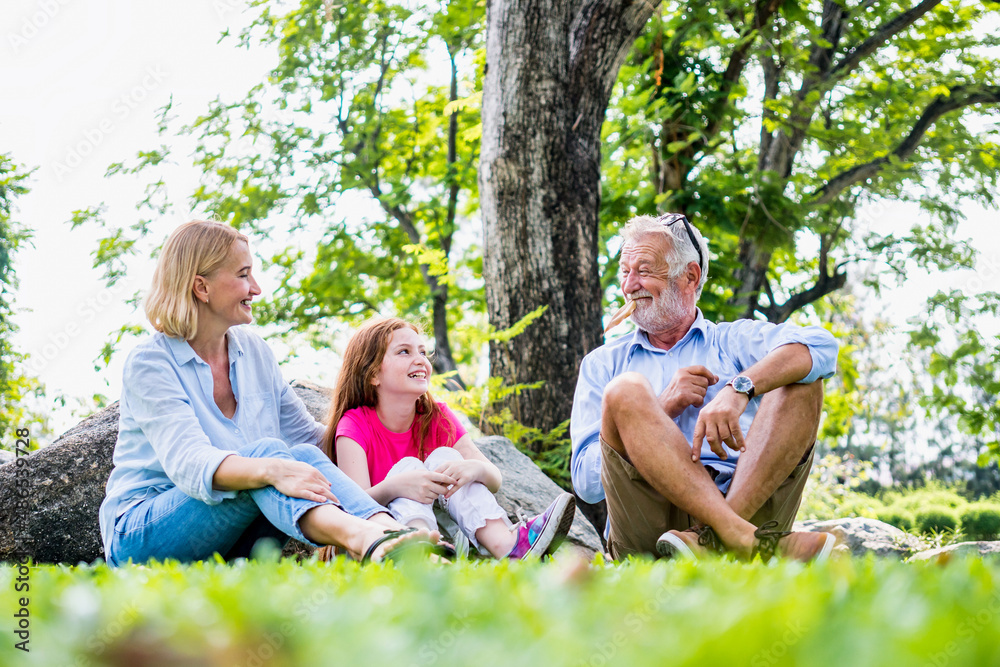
(755, 257)
(550, 66)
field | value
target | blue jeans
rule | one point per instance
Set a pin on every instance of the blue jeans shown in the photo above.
(175, 525)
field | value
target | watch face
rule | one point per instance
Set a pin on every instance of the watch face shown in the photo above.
(742, 384)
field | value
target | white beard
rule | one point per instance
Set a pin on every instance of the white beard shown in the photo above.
(663, 313)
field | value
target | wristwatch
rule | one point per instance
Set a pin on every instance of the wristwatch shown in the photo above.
(742, 385)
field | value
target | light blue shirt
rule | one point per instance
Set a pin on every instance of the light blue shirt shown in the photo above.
(727, 349)
(172, 433)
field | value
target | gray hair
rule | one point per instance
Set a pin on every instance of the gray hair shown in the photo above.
(680, 252)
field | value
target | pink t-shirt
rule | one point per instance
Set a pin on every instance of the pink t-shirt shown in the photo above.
(384, 448)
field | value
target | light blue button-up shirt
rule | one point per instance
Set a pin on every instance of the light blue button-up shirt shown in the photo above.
(727, 349)
(172, 433)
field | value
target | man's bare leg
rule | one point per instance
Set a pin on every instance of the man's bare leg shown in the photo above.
(634, 425)
(782, 432)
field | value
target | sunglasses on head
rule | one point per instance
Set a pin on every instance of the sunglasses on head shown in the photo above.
(669, 219)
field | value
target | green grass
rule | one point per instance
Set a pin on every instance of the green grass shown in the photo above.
(852, 612)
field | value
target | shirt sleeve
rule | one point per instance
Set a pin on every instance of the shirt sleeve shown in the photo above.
(296, 424)
(447, 413)
(162, 410)
(585, 429)
(749, 341)
(350, 426)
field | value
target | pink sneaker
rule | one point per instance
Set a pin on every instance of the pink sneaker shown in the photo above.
(541, 535)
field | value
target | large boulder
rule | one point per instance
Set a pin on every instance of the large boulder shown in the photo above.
(865, 536)
(57, 521)
(986, 550)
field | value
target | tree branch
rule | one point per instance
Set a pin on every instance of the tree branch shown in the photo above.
(764, 10)
(825, 284)
(601, 34)
(893, 27)
(959, 98)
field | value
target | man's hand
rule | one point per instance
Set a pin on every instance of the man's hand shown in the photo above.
(423, 486)
(688, 387)
(463, 472)
(719, 422)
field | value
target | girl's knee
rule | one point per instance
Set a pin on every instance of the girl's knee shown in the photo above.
(442, 454)
(406, 464)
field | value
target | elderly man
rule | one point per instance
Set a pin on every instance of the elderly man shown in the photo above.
(659, 417)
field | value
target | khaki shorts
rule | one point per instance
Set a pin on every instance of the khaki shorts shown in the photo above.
(639, 514)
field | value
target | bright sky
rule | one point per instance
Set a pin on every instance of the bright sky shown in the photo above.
(82, 83)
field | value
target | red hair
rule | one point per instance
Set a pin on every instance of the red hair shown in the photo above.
(356, 386)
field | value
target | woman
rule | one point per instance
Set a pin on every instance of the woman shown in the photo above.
(211, 440)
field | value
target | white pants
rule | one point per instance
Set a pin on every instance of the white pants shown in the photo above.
(471, 506)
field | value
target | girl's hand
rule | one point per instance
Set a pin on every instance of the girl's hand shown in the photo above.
(463, 472)
(423, 486)
(299, 480)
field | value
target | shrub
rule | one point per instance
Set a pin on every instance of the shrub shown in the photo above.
(936, 519)
(981, 521)
(859, 504)
(936, 497)
(899, 518)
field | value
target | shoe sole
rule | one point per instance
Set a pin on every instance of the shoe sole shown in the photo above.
(824, 553)
(669, 545)
(554, 532)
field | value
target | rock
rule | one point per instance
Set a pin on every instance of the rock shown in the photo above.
(6, 456)
(57, 520)
(987, 550)
(864, 536)
(525, 486)
(316, 398)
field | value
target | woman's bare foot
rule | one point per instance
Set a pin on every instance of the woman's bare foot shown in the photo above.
(372, 535)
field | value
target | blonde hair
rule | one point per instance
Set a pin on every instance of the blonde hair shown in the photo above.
(195, 248)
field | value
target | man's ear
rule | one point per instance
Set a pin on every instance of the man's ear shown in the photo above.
(694, 273)
(200, 289)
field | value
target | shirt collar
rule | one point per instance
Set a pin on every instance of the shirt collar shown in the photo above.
(640, 339)
(180, 349)
(183, 352)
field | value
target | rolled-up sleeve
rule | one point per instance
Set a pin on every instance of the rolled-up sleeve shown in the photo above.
(297, 424)
(585, 429)
(751, 341)
(161, 409)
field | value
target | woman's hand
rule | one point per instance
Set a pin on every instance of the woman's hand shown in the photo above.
(299, 480)
(463, 472)
(423, 486)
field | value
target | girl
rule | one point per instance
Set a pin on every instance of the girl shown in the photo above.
(387, 433)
